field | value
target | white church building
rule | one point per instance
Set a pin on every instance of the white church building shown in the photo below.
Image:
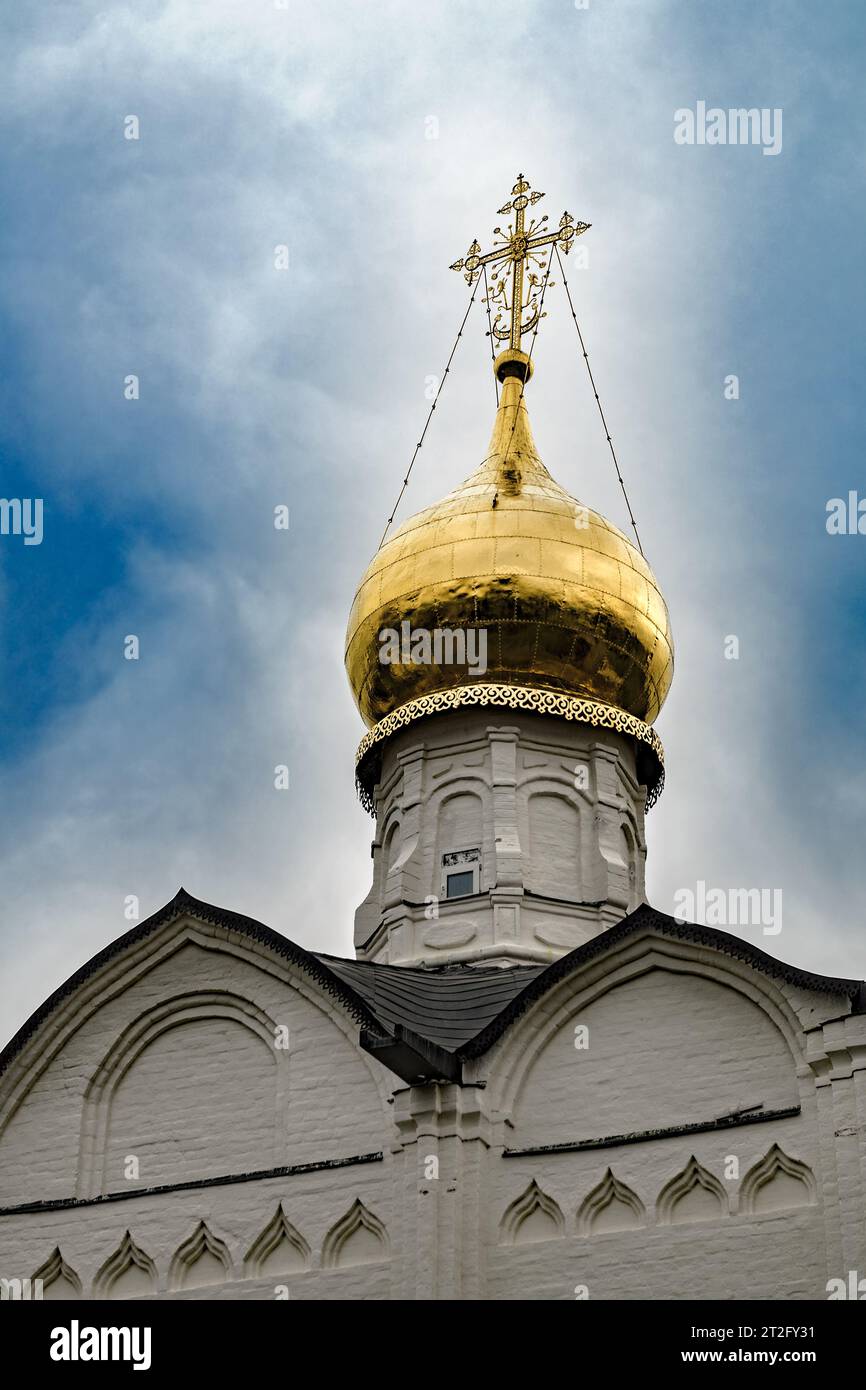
(528, 1083)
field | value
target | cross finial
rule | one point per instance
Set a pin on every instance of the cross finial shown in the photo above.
(518, 305)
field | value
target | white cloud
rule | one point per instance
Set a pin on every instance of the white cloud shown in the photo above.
(260, 125)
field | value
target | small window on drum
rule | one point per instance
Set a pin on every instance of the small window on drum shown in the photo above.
(461, 873)
(460, 885)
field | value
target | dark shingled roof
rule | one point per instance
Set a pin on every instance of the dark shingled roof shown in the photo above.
(447, 1004)
(422, 1022)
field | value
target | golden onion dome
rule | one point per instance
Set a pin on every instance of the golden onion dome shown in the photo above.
(567, 603)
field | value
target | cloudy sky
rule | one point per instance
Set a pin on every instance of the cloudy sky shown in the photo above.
(265, 124)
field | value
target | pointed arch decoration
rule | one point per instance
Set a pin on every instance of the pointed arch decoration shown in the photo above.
(777, 1182)
(694, 1194)
(359, 1237)
(128, 1272)
(59, 1280)
(278, 1249)
(531, 1217)
(610, 1206)
(200, 1260)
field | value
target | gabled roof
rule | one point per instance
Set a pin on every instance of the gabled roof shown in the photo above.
(183, 904)
(422, 1022)
(646, 918)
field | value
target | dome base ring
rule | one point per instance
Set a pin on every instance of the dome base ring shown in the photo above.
(517, 697)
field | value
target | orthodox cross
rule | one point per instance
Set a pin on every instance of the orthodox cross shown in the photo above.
(517, 246)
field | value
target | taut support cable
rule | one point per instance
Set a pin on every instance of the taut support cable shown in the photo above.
(429, 417)
(598, 403)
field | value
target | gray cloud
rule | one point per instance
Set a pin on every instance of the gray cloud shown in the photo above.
(307, 126)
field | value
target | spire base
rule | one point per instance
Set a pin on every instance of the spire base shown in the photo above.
(513, 362)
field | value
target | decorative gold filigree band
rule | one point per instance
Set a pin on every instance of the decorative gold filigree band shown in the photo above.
(517, 697)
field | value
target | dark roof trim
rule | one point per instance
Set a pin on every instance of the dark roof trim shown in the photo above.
(411, 1055)
(183, 904)
(614, 1141)
(261, 1175)
(648, 918)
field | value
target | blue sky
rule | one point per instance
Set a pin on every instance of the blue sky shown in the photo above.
(306, 126)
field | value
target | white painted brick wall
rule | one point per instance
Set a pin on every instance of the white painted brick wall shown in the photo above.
(677, 1034)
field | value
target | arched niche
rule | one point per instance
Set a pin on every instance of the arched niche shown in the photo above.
(359, 1237)
(129, 1272)
(553, 839)
(611, 1206)
(391, 847)
(165, 1088)
(653, 1037)
(533, 1216)
(693, 1194)
(201, 1261)
(777, 1182)
(59, 1280)
(459, 827)
(278, 1250)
